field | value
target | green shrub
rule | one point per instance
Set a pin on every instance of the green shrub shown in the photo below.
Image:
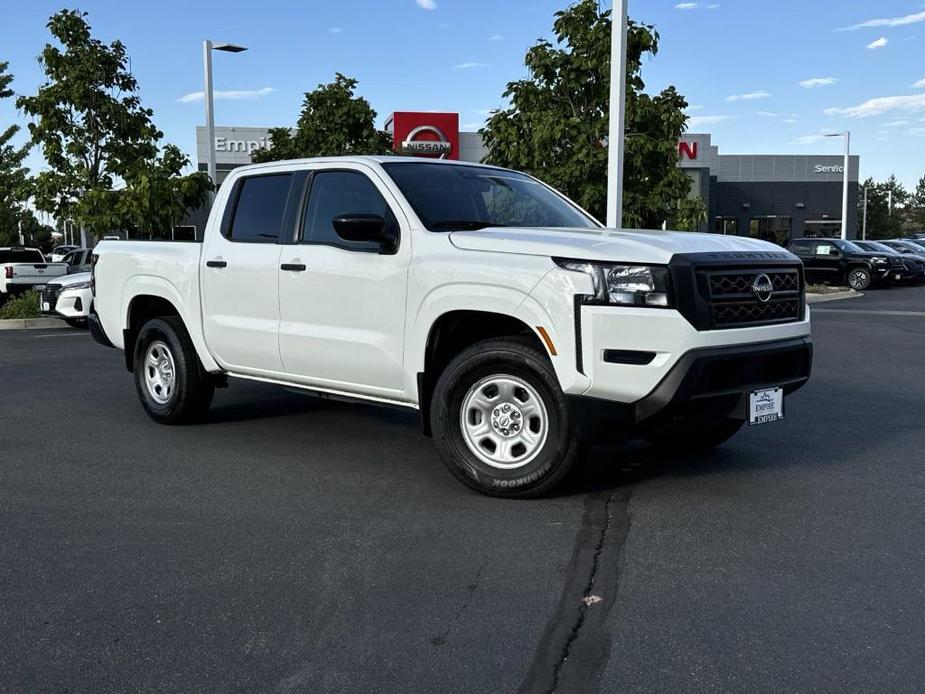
(22, 306)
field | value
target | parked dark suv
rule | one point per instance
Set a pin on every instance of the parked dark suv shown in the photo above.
(912, 257)
(841, 263)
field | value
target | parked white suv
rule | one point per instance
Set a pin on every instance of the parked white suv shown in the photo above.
(69, 297)
(504, 313)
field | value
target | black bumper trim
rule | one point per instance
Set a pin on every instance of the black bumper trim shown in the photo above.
(96, 330)
(709, 381)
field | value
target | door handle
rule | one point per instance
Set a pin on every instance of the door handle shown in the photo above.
(216, 263)
(292, 267)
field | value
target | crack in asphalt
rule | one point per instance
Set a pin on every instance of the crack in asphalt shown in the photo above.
(440, 639)
(575, 645)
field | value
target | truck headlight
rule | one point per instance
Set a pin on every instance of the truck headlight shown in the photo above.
(880, 261)
(79, 285)
(625, 285)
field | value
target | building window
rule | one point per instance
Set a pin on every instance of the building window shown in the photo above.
(773, 228)
(726, 225)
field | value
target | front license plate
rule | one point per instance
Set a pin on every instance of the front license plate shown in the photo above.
(45, 306)
(898, 277)
(765, 405)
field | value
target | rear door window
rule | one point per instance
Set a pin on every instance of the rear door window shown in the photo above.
(260, 208)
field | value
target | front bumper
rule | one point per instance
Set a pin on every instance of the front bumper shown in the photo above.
(706, 382)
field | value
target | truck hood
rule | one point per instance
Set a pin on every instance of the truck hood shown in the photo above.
(637, 246)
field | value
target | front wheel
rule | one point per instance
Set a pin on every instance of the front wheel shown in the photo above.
(501, 421)
(172, 385)
(859, 278)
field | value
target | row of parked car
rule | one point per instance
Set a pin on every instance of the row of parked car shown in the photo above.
(63, 280)
(861, 264)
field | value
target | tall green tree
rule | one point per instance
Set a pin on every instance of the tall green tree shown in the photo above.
(157, 196)
(89, 123)
(886, 207)
(14, 177)
(915, 209)
(559, 116)
(333, 122)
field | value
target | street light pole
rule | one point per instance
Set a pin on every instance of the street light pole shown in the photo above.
(207, 48)
(844, 199)
(864, 224)
(210, 118)
(617, 115)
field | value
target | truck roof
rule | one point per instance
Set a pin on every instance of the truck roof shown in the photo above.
(363, 159)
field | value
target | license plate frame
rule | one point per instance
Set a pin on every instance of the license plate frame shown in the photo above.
(765, 405)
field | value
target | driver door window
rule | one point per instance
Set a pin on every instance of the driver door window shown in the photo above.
(337, 193)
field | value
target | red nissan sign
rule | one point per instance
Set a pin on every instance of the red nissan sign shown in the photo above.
(433, 135)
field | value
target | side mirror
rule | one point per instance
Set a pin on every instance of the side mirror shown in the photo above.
(367, 227)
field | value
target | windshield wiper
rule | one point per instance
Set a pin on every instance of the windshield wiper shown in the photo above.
(466, 224)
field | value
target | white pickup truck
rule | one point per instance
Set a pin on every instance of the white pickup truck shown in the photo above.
(518, 326)
(22, 269)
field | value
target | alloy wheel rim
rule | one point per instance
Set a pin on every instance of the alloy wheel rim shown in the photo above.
(857, 279)
(504, 421)
(160, 372)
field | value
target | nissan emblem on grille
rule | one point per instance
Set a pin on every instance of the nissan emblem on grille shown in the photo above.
(763, 288)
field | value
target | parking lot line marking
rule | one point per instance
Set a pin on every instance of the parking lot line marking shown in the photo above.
(856, 311)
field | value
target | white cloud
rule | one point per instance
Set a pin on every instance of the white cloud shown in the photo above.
(698, 121)
(789, 121)
(897, 123)
(427, 4)
(496, 37)
(882, 104)
(767, 114)
(694, 107)
(750, 96)
(920, 84)
(917, 132)
(818, 82)
(335, 30)
(888, 22)
(696, 6)
(879, 43)
(234, 95)
(470, 66)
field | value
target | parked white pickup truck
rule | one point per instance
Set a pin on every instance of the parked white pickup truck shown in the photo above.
(22, 269)
(504, 313)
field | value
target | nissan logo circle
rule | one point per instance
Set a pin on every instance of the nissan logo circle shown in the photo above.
(763, 288)
(440, 147)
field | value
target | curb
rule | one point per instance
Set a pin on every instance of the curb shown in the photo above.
(30, 323)
(834, 296)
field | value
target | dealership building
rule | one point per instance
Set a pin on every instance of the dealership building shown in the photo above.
(769, 196)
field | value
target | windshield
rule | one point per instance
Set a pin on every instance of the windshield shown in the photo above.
(875, 247)
(850, 247)
(448, 197)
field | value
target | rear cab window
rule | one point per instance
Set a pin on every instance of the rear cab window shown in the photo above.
(23, 255)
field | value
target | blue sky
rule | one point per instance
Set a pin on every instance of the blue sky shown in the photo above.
(763, 76)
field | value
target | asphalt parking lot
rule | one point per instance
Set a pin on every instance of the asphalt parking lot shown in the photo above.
(293, 544)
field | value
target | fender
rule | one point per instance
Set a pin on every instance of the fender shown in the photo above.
(187, 308)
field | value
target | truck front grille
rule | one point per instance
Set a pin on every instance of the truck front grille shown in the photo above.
(734, 303)
(721, 291)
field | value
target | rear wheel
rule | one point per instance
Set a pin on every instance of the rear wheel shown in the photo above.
(172, 385)
(501, 421)
(859, 278)
(699, 435)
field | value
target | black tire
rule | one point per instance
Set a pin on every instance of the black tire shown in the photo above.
(697, 435)
(190, 394)
(859, 278)
(553, 457)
